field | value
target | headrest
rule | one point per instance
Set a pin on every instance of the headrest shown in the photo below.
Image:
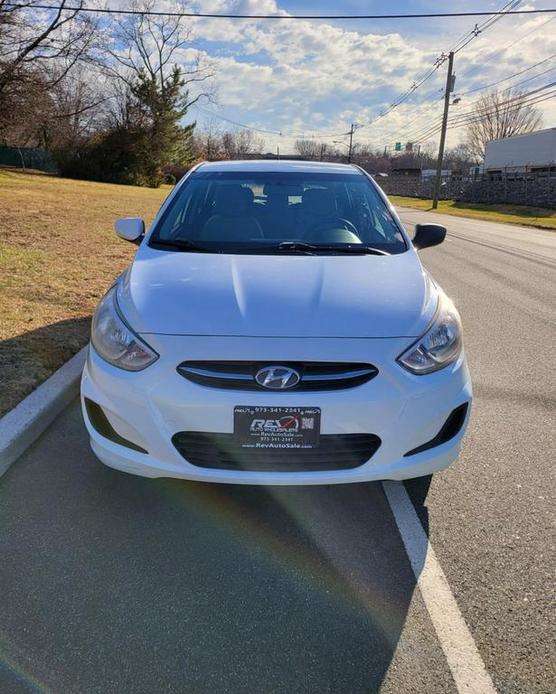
(319, 201)
(277, 191)
(232, 199)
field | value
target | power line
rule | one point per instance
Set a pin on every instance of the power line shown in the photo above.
(516, 74)
(235, 122)
(534, 77)
(462, 42)
(517, 97)
(538, 100)
(474, 117)
(413, 137)
(494, 16)
(489, 56)
(509, 8)
(281, 133)
(213, 15)
(497, 52)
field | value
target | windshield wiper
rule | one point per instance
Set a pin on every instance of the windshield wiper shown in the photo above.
(360, 248)
(355, 248)
(181, 245)
(293, 246)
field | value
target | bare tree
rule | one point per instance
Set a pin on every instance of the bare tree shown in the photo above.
(459, 158)
(208, 142)
(500, 114)
(308, 149)
(148, 48)
(238, 143)
(160, 79)
(77, 110)
(39, 50)
(49, 42)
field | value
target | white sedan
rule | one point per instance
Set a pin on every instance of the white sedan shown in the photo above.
(276, 327)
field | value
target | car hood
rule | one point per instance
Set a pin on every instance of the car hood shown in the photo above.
(286, 295)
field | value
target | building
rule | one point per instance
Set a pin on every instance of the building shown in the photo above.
(533, 153)
(431, 173)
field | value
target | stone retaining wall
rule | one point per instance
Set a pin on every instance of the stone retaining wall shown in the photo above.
(538, 191)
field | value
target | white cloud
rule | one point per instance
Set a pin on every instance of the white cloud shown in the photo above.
(317, 77)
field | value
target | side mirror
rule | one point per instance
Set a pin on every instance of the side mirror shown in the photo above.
(427, 235)
(131, 229)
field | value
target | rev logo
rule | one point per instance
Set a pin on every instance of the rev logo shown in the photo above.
(286, 424)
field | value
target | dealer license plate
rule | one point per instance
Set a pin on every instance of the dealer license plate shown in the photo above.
(276, 427)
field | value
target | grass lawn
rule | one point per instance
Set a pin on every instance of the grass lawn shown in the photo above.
(58, 255)
(510, 214)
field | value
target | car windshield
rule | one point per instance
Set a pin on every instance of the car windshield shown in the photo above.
(278, 212)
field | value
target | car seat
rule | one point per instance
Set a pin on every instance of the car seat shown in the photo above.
(233, 217)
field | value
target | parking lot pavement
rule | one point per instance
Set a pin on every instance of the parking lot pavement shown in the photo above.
(111, 583)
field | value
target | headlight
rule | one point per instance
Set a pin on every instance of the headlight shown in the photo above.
(115, 342)
(439, 346)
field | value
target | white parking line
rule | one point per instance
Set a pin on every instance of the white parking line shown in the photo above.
(464, 661)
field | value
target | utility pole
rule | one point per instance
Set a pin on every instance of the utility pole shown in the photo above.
(450, 80)
(350, 142)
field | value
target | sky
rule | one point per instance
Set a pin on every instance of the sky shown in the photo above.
(315, 78)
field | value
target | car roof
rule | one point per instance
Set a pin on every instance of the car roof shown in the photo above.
(279, 165)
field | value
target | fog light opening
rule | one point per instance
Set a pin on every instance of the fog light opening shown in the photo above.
(451, 428)
(101, 424)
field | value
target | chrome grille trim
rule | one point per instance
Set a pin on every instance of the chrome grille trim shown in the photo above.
(340, 376)
(207, 373)
(240, 375)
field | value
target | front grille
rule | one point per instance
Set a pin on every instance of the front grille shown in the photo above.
(218, 451)
(240, 375)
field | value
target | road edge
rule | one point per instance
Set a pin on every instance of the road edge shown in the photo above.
(21, 426)
(526, 225)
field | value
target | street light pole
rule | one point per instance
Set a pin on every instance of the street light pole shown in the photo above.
(449, 89)
(350, 142)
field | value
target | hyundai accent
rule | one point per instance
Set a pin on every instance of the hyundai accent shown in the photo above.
(276, 326)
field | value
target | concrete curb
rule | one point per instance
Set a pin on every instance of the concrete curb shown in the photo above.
(27, 421)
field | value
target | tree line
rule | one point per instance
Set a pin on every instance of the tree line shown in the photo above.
(496, 114)
(107, 98)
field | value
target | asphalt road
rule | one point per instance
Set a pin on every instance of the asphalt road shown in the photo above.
(111, 583)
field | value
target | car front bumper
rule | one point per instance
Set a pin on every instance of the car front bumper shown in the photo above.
(150, 406)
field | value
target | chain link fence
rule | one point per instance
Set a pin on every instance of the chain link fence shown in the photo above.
(27, 158)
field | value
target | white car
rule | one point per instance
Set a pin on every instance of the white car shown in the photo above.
(276, 327)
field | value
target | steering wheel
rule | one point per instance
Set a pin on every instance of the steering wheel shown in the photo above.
(331, 223)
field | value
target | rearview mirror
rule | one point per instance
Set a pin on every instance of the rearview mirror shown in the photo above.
(130, 228)
(427, 235)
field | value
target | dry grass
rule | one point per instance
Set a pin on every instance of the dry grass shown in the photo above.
(510, 214)
(58, 255)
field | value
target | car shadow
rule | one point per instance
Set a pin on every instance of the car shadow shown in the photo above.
(28, 359)
(165, 585)
(417, 490)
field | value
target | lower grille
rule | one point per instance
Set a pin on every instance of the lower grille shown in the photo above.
(218, 451)
(240, 375)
